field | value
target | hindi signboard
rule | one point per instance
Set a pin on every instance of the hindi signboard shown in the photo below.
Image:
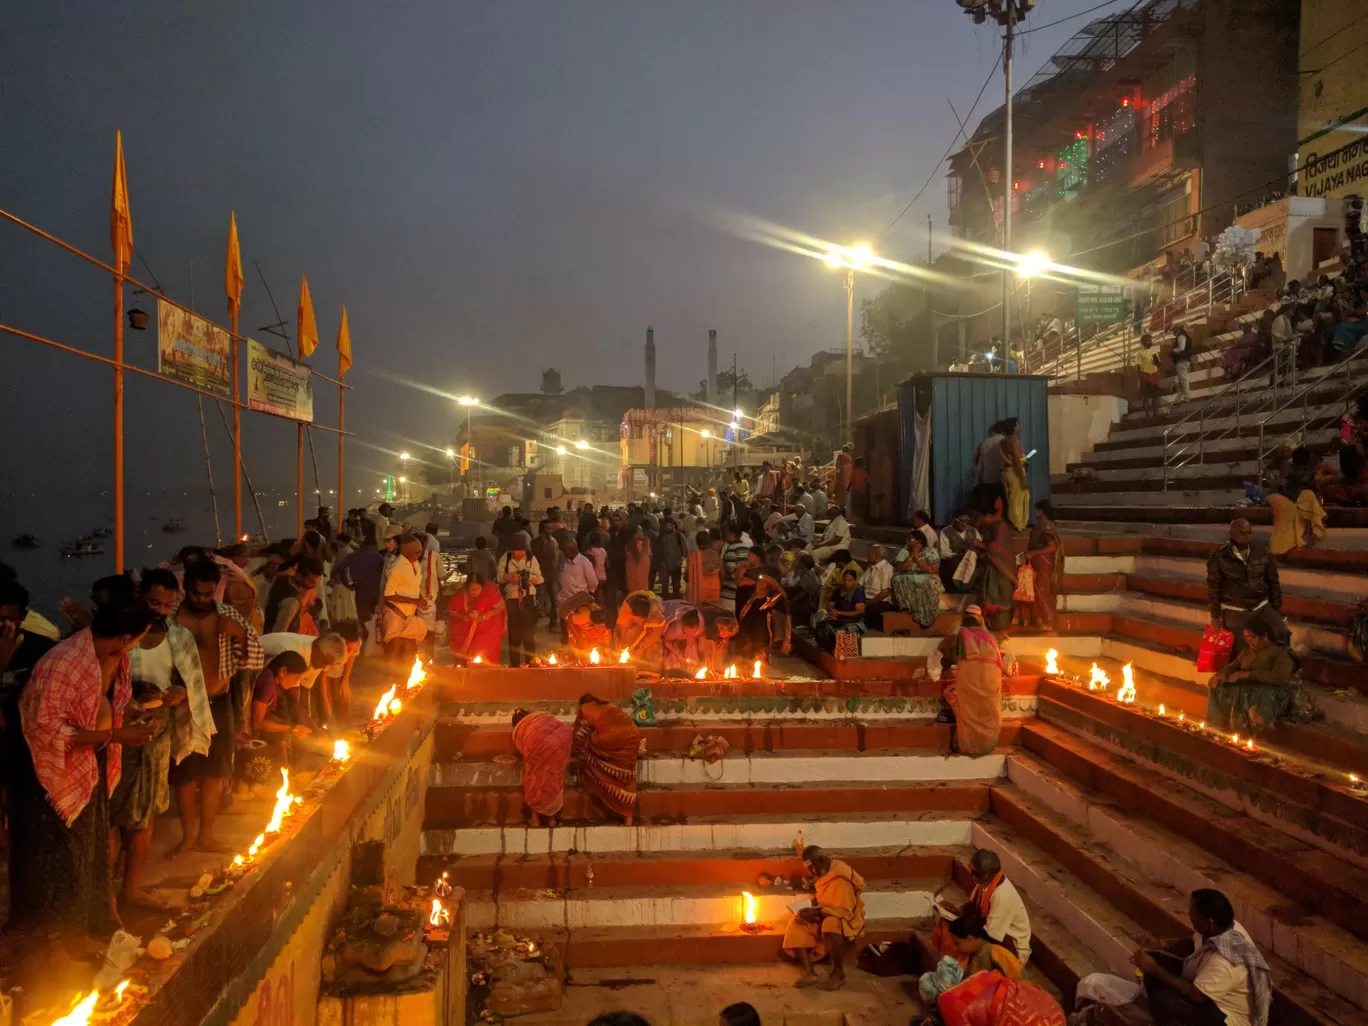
(192, 350)
(276, 384)
(1101, 304)
(1336, 164)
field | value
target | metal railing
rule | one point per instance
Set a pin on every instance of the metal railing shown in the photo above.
(1220, 398)
(1354, 362)
(1119, 337)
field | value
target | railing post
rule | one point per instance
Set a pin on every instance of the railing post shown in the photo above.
(1163, 460)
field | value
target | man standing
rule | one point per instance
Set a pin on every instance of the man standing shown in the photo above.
(227, 645)
(293, 595)
(1243, 586)
(989, 463)
(401, 627)
(20, 650)
(72, 717)
(503, 529)
(734, 555)
(481, 561)
(1181, 355)
(578, 580)
(547, 554)
(673, 552)
(520, 576)
(381, 518)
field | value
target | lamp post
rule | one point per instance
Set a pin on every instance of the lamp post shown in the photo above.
(1031, 266)
(469, 402)
(856, 257)
(451, 474)
(403, 478)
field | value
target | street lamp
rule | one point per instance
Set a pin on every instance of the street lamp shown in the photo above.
(469, 402)
(1029, 267)
(852, 258)
(581, 444)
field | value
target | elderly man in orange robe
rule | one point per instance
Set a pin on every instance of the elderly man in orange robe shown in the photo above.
(831, 924)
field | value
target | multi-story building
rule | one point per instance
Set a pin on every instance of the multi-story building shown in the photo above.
(1332, 122)
(1139, 136)
(670, 448)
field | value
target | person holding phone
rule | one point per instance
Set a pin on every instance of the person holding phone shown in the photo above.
(1014, 475)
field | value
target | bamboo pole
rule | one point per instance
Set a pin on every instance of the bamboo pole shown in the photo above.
(299, 479)
(261, 519)
(209, 470)
(237, 433)
(118, 425)
(341, 406)
(318, 485)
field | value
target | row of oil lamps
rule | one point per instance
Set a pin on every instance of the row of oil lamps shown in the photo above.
(625, 657)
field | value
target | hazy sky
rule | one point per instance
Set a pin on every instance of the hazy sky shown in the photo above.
(492, 188)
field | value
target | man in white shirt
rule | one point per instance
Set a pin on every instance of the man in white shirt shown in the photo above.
(1008, 923)
(320, 653)
(877, 583)
(819, 499)
(401, 626)
(577, 573)
(1223, 979)
(835, 537)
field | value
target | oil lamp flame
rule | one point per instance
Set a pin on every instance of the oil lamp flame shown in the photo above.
(551, 659)
(282, 806)
(1126, 695)
(417, 675)
(749, 915)
(1051, 661)
(702, 673)
(442, 887)
(80, 1013)
(1097, 678)
(755, 673)
(119, 990)
(625, 656)
(439, 915)
(477, 660)
(395, 705)
(594, 657)
(730, 672)
(1161, 709)
(341, 751)
(1250, 744)
(382, 707)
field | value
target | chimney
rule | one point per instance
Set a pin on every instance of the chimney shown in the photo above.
(712, 367)
(650, 368)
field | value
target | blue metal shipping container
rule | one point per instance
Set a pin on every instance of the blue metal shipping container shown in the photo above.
(961, 409)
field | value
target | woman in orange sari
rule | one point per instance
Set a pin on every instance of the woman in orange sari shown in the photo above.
(973, 687)
(477, 622)
(638, 563)
(606, 747)
(544, 742)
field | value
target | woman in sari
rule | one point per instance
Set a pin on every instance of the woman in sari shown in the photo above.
(974, 952)
(478, 621)
(638, 562)
(640, 627)
(1045, 555)
(704, 572)
(544, 743)
(973, 688)
(917, 587)
(764, 620)
(999, 578)
(845, 612)
(1298, 516)
(606, 747)
(684, 634)
(1014, 475)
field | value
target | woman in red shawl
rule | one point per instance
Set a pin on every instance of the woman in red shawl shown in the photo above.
(477, 622)
(544, 742)
(607, 744)
(639, 562)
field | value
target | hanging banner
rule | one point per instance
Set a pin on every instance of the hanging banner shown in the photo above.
(192, 350)
(1100, 304)
(276, 384)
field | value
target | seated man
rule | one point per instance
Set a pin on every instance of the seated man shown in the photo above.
(835, 538)
(995, 900)
(1257, 689)
(1215, 978)
(835, 918)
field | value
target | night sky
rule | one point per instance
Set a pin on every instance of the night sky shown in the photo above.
(492, 189)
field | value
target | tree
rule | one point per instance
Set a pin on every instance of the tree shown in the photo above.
(726, 384)
(896, 323)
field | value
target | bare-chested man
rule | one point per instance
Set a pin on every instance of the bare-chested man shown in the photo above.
(227, 645)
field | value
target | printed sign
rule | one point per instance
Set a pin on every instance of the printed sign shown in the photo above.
(276, 384)
(1336, 164)
(1101, 304)
(192, 350)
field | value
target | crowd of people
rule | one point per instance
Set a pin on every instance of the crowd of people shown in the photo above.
(191, 683)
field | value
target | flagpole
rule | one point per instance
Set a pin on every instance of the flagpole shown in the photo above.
(341, 441)
(237, 433)
(299, 479)
(118, 422)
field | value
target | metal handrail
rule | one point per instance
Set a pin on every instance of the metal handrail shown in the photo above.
(1200, 414)
(1321, 411)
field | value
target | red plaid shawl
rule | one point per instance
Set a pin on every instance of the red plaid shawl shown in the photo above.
(62, 696)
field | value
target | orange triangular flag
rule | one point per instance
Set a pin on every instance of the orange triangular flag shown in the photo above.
(120, 220)
(232, 273)
(343, 345)
(307, 328)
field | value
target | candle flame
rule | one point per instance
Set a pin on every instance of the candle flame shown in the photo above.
(749, 900)
(1250, 744)
(594, 656)
(417, 675)
(1051, 661)
(282, 806)
(702, 673)
(1097, 678)
(341, 751)
(755, 673)
(238, 861)
(80, 1012)
(442, 887)
(1161, 709)
(439, 915)
(1126, 694)
(382, 707)
(1181, 717)
(1234, 739)
(119, 990)
(395, 705)
(551, 659)
(625, 656)
(730, 672)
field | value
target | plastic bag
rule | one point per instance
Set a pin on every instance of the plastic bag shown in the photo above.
(933, 665)
(1214, 652)
(968, 564)
(643, 708)
(1025, 585)
(1106, 989)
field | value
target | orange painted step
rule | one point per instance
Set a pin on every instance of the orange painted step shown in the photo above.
(1312, 559)
(454, 807)
(1294, 606)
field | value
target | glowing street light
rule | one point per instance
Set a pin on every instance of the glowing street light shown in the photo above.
(1032, 264)
(467, 400)
(562, 449)
(403, 456)
(581, 444)
(852, 258)
(451, 454)
(706, 433)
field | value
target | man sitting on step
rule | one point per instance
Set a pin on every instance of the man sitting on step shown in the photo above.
(834, 920)
(1242, 585)
(996, 900)
(1215, 978)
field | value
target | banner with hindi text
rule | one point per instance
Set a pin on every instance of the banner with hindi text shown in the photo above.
(192, 350)
(276, 384)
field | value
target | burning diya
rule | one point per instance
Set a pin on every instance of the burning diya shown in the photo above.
(1125, 695)
(748, 923)
(1098, 679)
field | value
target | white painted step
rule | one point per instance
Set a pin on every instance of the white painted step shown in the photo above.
(839, 834)
(1306, 582)
(757, 768)
(687, 906)
(1336, 538)
(1248, 469)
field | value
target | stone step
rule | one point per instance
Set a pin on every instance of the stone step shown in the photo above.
(677, 906)
(1195, 800)
(1342, 548)
(900, 816)
(738, 869)
(1225, 450)
(1254, 393)
(1114, 909)
(1220, 426)
(457, 740)
(1179, 514)
(1148, 872)
(793, 767)
(1177, 502)
(1179, 475)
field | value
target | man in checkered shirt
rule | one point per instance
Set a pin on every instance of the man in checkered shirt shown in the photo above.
(227, 645)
